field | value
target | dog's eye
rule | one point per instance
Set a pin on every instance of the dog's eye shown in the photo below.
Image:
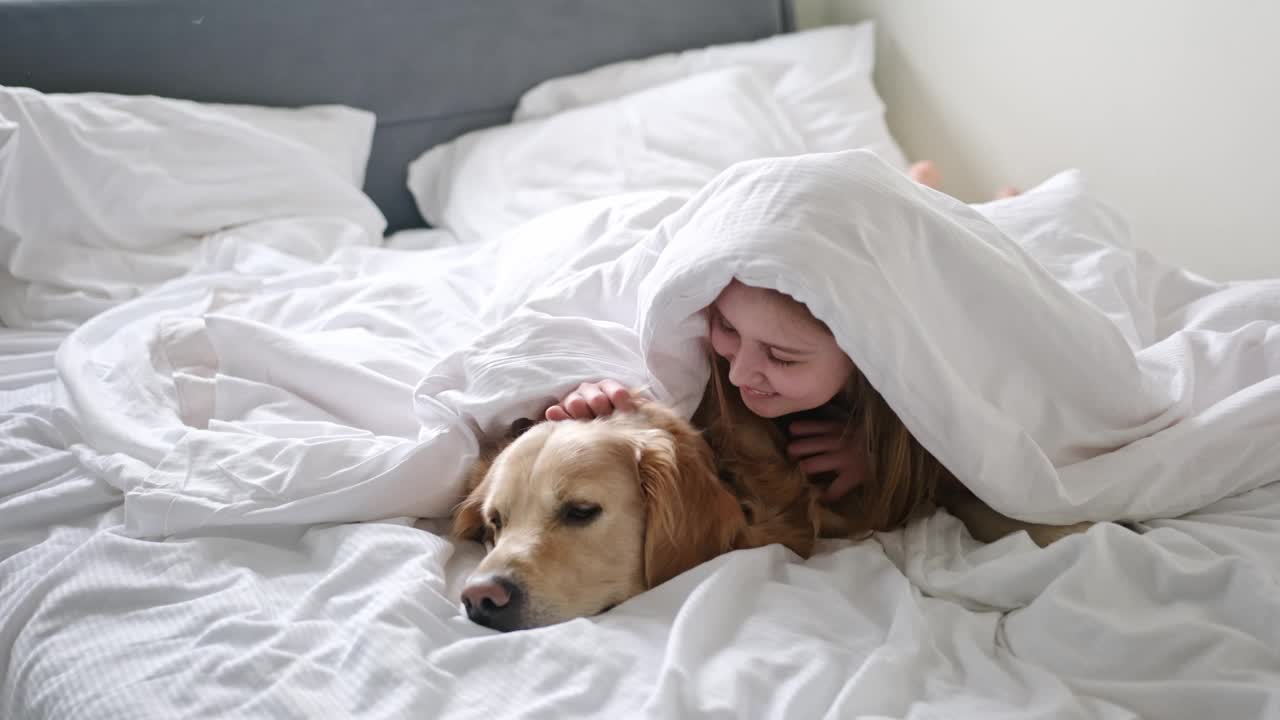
(579, 513)
(496, 521)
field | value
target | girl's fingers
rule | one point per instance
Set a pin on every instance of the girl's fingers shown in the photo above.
(591, 400)
(856, 472)
(577, 407)
(815, 427)
(843, 483)
(599, 402)
(617, 394)
(815, 445)
(824, 463)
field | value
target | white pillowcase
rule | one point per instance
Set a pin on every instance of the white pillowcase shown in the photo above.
(103, 196)
(673, 137)
(670, 123)
(8, 143)
(136, 172)
(823, 77)
(342, 135)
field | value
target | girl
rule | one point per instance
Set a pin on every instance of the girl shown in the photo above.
(789, 372)
(787, 369)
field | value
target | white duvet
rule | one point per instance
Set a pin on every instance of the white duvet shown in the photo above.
(182, 529)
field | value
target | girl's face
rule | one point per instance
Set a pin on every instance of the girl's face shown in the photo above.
(781, 359)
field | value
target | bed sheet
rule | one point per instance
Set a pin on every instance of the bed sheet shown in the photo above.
(27, 371)
(111, 607)
(362, 620)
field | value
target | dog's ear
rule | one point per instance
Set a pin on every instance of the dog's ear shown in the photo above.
(690, 517)
(518, 427)
(468, 521)
(468, 516)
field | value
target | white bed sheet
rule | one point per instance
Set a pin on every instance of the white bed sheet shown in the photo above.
(362, 620)
(246, 613)
(27, 371)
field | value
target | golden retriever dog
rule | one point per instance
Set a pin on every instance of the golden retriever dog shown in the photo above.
(579, 516)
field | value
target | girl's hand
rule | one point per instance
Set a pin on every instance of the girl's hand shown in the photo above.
(591, 400)
(822, 446)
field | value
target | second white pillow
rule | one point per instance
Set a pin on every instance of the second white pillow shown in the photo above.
(673, 137)
(822, 76)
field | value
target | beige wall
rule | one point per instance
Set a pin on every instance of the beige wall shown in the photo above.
(1171, 107)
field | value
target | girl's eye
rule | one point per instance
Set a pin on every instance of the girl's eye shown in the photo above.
(780, 362)
(724, 324)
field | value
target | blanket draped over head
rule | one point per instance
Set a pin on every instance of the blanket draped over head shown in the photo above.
(1058, 373)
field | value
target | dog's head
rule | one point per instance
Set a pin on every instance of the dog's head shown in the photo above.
(582, 515)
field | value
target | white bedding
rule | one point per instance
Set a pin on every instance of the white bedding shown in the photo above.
(219, 426)
(105, 196)
(667, 122)
(181, 525)
(1110, 385)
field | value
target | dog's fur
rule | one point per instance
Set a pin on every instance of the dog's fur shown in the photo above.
(582, 515)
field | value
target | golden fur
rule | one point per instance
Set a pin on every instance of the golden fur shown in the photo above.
(662, 510)
(668, 500)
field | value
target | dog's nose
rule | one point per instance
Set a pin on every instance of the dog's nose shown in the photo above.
(493, 601)
(488, 592)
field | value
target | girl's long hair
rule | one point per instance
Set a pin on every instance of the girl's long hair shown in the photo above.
(904, 478)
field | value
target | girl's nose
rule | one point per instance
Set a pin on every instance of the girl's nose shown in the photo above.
(743, 370)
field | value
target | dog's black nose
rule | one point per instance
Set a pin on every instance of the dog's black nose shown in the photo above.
(493, 601)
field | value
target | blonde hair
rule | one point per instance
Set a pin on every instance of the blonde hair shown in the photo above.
(904, 478)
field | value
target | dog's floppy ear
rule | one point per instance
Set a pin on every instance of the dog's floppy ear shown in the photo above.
(468, 517)
(690, 517)
(518, 427)
(468, 521)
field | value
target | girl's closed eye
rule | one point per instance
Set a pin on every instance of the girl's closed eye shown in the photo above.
(779, 361)
(724, 324)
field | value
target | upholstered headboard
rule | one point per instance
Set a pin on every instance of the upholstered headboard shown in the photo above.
(429, 69)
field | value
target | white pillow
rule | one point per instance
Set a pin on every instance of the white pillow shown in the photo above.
(137, 171)
(342, 135)
(823, 77)
(125, 189)
(8, 141)
(670, 122)
(673, 137)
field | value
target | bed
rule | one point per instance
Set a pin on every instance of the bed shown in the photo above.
(272, 269)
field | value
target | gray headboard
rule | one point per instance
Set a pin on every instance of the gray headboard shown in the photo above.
(429, 69)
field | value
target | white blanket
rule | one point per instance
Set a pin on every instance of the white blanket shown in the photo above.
(287, 398)
(362, 619)
(240, 409)
(1046, 407)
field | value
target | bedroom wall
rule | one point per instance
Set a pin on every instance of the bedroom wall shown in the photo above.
(1171, 107)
